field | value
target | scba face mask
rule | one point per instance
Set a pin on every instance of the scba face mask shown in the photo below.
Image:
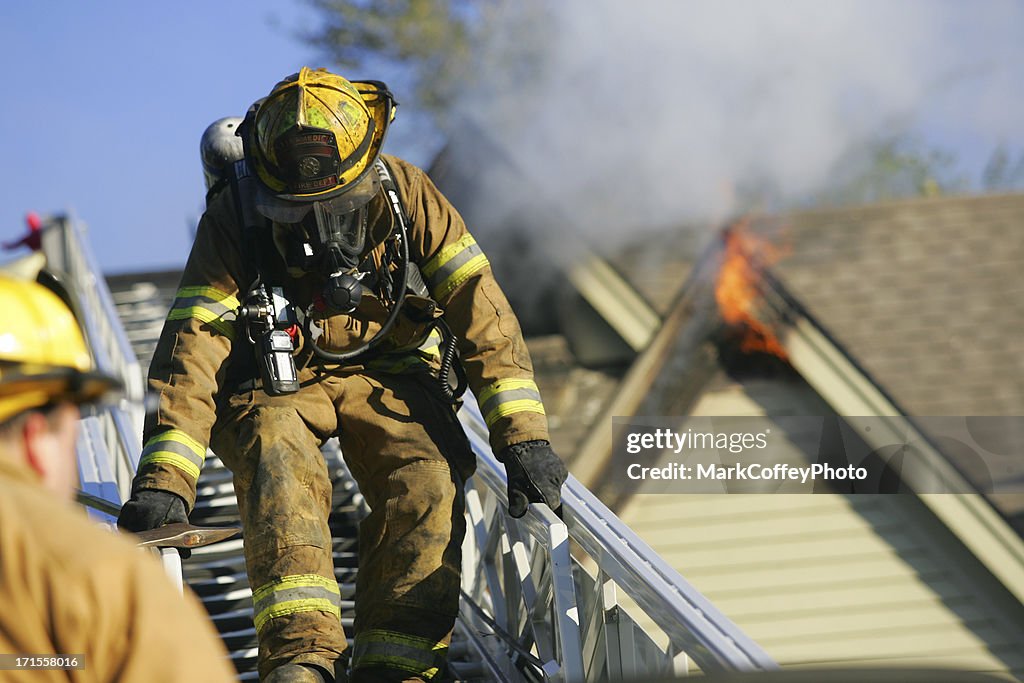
(329, 244)
(340, 238)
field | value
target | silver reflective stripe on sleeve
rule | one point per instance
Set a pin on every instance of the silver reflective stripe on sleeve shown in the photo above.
(176, 448)
(453, 265)
(507, 397)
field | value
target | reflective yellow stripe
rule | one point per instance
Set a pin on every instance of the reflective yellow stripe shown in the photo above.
(281, 609)
(294, 607)
(400, 651)
(507, 397)
(208, 305)
(398, 366)
(204, 315)
(459, 276)
(430, 346)
(395, 662)
(505, 385)
(181, 437)
(211, 293)
(173, 459)
(295, 581)
(511, 407)
(453, 265)
(412, 358)
(293, 594)
(176, 448)
(447, 254)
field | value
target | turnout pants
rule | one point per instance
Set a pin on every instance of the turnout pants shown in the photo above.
(410, 457)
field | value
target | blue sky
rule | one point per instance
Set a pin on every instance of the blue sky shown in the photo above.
(105, 102)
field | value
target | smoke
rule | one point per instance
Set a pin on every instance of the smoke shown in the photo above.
(608, 117)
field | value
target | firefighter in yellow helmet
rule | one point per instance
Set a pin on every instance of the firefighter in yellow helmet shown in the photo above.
(66, 586)
(328, 292)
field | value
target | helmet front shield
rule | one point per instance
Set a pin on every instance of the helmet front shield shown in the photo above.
(288, 212)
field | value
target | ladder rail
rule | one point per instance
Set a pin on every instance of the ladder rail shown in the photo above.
(527, 563)
(69, 255)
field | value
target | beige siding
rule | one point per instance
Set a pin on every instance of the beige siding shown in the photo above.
(834, 579)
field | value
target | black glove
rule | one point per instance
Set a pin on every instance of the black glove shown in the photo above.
(151, 508)
(535, 475)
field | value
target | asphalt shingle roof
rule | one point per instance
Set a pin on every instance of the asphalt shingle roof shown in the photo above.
(926, 295)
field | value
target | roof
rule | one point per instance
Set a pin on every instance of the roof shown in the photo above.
(925, 295)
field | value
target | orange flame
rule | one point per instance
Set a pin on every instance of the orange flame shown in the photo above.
(736, 290)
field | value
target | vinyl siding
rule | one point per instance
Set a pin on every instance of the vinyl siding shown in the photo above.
(849, 580)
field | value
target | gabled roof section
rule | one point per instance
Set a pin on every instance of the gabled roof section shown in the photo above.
(927, 296)
(923, 297)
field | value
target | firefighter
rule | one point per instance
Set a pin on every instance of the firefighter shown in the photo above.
(327, 293)
(67, 588)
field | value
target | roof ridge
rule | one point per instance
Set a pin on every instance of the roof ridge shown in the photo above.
(889, 205)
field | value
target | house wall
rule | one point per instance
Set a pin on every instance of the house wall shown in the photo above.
(832, 580)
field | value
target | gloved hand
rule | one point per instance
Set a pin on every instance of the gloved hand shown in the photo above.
(151, 508)
(535, 475)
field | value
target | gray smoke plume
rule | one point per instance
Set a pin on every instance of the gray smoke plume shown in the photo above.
(591, 124)
(633, 115)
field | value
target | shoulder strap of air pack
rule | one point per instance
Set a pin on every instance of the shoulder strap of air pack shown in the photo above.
(253, 226)
(414, 278)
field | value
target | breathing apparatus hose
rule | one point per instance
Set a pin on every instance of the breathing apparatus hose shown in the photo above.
(451, 394)
(346, 356)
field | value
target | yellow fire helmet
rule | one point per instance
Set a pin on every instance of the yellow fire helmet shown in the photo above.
(315, 138)
(43, 357)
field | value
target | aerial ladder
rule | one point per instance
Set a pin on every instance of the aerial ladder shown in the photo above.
(544, 598)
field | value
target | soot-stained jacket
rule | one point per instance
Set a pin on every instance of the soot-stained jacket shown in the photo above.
(203, 351)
